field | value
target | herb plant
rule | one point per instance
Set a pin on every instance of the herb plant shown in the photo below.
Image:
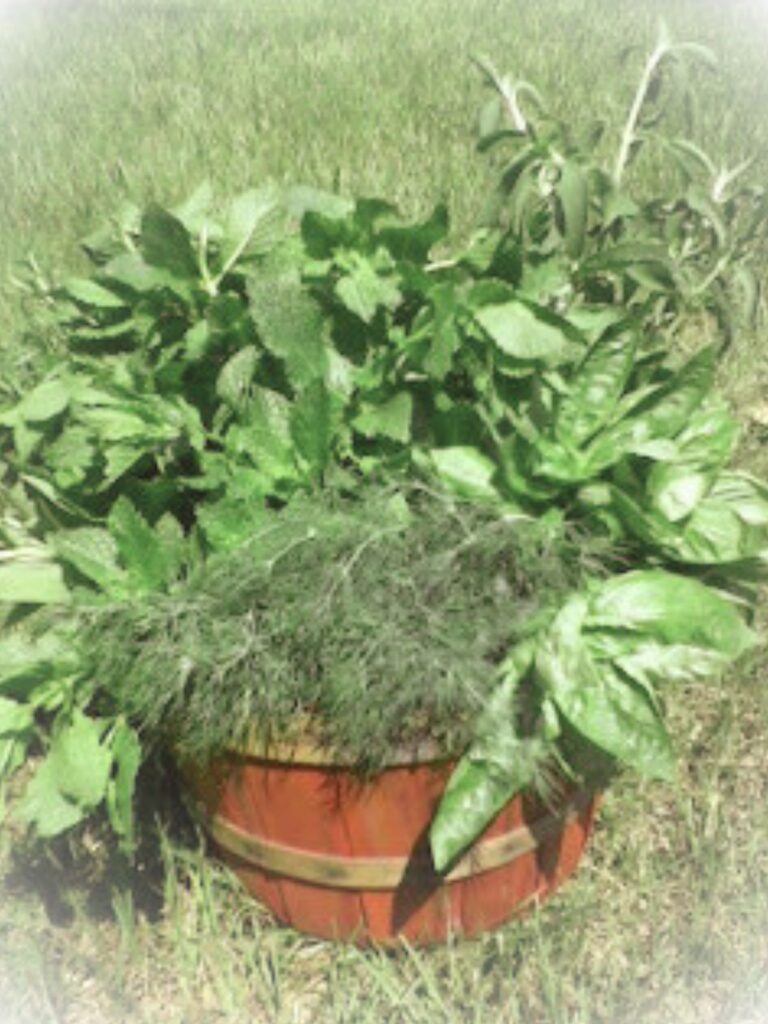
(232, 374)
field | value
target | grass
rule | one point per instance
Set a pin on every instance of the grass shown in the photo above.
(103, 100)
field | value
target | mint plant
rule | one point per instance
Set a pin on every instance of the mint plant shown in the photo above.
(226, 365)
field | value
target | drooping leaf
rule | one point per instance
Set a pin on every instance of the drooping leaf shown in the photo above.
(126, 754)
(89, 293)
(672, 609)
(94, 553)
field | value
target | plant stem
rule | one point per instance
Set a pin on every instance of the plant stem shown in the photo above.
(628, 135)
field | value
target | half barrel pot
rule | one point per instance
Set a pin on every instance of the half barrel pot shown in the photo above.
(344, 858)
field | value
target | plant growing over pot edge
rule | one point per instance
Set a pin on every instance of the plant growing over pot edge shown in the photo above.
(222, 365)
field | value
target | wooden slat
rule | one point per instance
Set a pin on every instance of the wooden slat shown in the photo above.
(374, 873)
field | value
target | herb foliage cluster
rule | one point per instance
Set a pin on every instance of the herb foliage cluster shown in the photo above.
(222, 365)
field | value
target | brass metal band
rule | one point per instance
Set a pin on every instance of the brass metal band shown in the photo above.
(385, 872)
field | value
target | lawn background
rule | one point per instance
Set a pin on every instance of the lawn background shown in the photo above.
(107, 100)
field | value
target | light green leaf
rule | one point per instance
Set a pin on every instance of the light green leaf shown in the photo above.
(32, 582)
(127, 756)
(290, 325)
(14, 717)
(672, 609)
(466, 471)
(93, 552)
(363, 291)
(520, 332)
(47, 400)
(89, 293)
(676, 490)
(251, 222)
(596, 387)
(391, 418)
(80, 761)
(44, 806)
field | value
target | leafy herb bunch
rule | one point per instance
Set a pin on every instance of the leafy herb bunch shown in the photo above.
(220, 366)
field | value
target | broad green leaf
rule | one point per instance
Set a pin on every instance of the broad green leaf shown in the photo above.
(315, 417)
(290, 326)
(236, 376)
(165, 243)
(24, 657)
(139, 546)
(80, 761)
(466, 472)
(613, 714)
(520, 332)
(250, 223)
(44, 806)
(14, 717)
(32, 582)
(574, 198)
(195, 210)
(676, 490)
(671, 609)
(93, 552)
(89, 293)
(391, 418)
(364, 291)
(652, 664)
(47, 400)
(678, 400)
(595, 387)
(476, 792)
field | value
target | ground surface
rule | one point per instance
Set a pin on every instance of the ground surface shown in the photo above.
(103, 100)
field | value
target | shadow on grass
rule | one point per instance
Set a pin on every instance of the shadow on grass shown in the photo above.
(87, 870)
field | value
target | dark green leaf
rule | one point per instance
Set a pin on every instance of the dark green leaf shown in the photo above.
(314, 421)
(139, 546)
(574, 198)
(165, 243)
(363, 291)
(595, 388)
(236, 376)
(290, 325)
(126, 754)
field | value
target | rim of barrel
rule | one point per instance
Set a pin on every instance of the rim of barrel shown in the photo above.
(305, 747)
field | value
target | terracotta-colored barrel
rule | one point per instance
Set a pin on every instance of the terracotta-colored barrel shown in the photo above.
(342, 858)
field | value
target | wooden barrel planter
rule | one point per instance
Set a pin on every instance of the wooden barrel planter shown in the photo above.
(348, 859)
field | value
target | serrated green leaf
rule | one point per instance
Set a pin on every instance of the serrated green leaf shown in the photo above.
(364, 291)
(139, 546)
(44, 807)
(251, 222)
(391, 418)
(93, 552)
(80, 761)
(290, 326)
